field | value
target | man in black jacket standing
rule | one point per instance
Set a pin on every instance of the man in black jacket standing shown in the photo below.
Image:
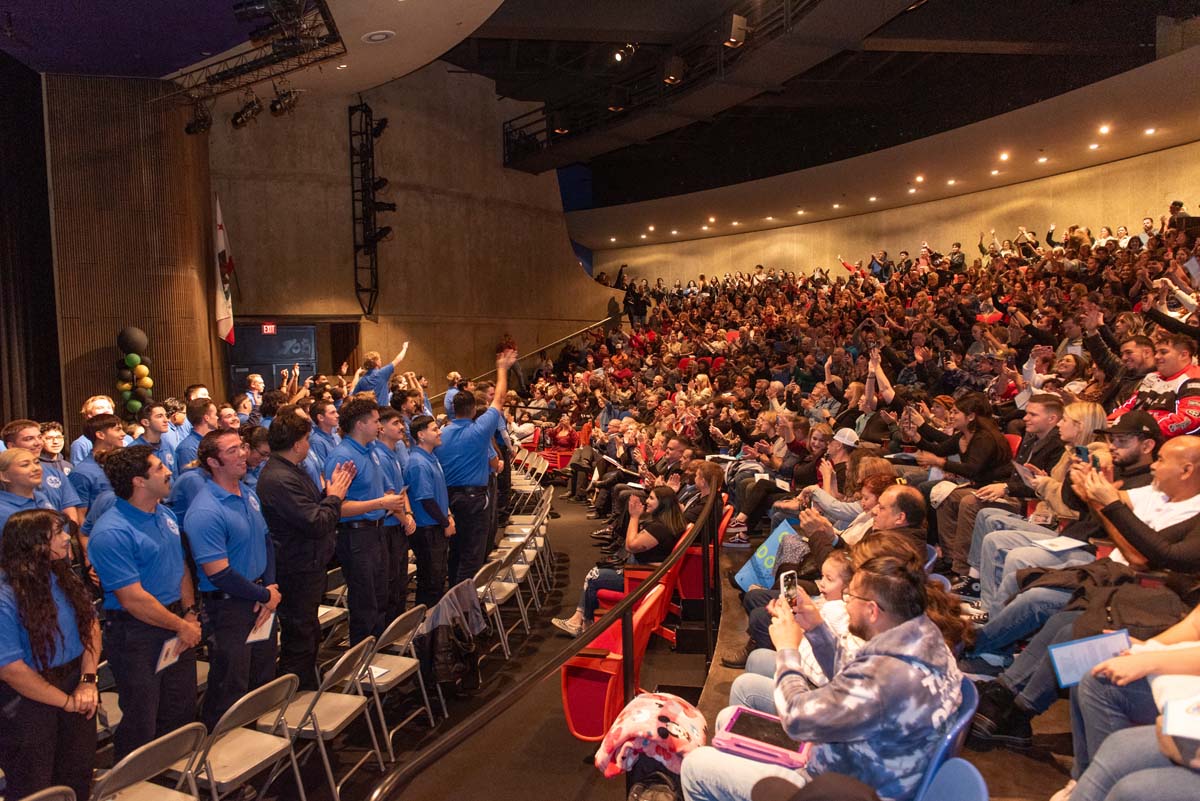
(303, 525)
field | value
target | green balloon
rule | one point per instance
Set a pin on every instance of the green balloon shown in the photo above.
(132, 360)
(126, 395)
(134, 406)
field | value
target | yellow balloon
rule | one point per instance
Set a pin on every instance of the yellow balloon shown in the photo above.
(145, 382)
(124, 386)
(141, 371)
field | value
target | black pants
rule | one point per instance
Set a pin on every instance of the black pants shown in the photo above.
(363, 555)
(431, 547)
(397, 562)
(42, 745)
(468, 546)
(152, 704)
(235, 666)
(299, 624)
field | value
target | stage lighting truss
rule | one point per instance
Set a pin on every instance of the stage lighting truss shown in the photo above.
(365, 130)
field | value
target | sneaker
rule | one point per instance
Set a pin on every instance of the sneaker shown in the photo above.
(565, 624)
(965, 587)
(602, 533)
(972, 611)
(1065, 793)
(737, 541)
(978, 666)
(738, 660)
(999, 720)
(736, 527)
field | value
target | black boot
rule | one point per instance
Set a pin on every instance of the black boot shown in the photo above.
(738, 659)
(1000, 718)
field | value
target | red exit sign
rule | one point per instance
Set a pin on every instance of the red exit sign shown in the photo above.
(268, 329)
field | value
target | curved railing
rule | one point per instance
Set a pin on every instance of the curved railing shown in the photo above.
(393, 783)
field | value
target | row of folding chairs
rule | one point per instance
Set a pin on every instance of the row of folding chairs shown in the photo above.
(276, 726)
(528, 470)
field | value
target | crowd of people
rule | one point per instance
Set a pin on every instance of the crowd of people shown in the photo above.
(1030, 413)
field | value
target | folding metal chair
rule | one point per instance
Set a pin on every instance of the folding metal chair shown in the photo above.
(483, 587)
(129, 779)
(322, 715)
(384, 672)
(49, 794)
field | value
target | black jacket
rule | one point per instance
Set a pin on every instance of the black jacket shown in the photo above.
(302, 522)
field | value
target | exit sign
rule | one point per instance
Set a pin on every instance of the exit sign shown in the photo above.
(268, 329)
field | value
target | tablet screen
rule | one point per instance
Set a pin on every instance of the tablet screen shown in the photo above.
(766, 730)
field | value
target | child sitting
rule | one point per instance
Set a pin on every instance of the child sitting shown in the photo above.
(836, 572)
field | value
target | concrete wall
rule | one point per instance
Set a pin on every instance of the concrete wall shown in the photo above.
(1119, 193)
(478, 251)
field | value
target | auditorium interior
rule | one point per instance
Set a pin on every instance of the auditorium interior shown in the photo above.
(751, 255)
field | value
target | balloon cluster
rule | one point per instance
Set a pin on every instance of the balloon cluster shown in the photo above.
(133, 370)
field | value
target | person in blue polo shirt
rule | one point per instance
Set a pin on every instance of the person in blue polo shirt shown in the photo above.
(149, 600)
(105, 433)
(97, 404)
(376, 378)
(232, 547)
(465, 455)
(431, 510)
(202, 415)
(177, 425)
(156, 424)
(49, 650)
(325, 436)
(361, 545)
(27, 434)
(398, 526)
(20, 484)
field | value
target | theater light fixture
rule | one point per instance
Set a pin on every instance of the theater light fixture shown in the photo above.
(673, 70)
(379, 184)
(379, 127)
(251, 10)
(712, 219)
(912, 190)
(201, 120)
(995, 172)
(649, 227)
(381, 205)
(1004, 156)
(920, 179)
(1042, 159)
(737, 31)
(837, 205)
(951, 182)
(624, 53)
(872, 199)
(704, 228)
(249, 110)
(1149, 131)
(1093, 146)
(612, 239)
(799, 212)
(1105, 129)
(343, 66)
(770, 219)
(674, 232)
(735, 222)
(643, 236)
(618, 98)
(284, 101)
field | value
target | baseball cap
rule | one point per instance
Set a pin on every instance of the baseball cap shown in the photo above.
(1136, 422)
(847, 437)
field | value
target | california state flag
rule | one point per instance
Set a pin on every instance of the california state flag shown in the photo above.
(224, 298)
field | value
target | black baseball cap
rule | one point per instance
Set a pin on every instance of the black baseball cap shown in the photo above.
(1138, 423)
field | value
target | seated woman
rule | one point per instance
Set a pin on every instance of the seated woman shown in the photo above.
(648, 538)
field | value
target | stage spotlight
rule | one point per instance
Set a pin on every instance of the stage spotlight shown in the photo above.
(618, 98)
(378, 184)
(251, 10)
(284, 102)
(373, 238)
(379, 127)
(380, 205)
(624, 53)
(201, 120)
(673, 70)
(251, 109)
(737, 31)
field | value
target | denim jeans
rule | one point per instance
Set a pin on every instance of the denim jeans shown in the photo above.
(755, 688)
(1022, 617)
(1100, 708)
(598, 578)
(1130, 767)
(759, 619)
(840, 513)
(1006, 552)
(1031, 676)
(712, 775)
(995, 519)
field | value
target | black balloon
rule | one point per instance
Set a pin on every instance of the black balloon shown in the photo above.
(141, 394)
(146, 360)
(124, 374)
(132, 340)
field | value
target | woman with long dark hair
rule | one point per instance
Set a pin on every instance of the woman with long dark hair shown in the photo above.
(49, 649)
(648, 538)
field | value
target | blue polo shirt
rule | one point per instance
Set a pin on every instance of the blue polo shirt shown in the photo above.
(14, 638)
(81, 448)
(393, 474)
(370, 482)
(186, 452)
(402, 452)
(184, 490)
(426, 480)
(312, 466)
(466, 449)
(448, 400)
(59, 463)
(376, 380)
(89, 480)
(129, 546)
(100, 504)
(222, 525)
(60, 490)
(252, 474)
(164, 451)
(11, 503)
(175, 435)
(322, 444)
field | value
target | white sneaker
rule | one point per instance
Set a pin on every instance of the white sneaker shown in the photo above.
(564, 623)
(1065, 793)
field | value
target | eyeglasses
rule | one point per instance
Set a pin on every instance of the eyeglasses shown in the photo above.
(862, 598)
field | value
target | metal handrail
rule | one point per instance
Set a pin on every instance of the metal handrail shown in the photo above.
(401, 775)
(539, 349)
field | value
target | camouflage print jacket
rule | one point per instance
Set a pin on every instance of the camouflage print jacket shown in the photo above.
(880, 718)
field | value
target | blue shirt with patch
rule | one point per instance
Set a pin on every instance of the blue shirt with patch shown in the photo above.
(129, 546)
(14, 637)
(224, 525)
(376, 380)
(89, 480)
(163, 450)
(370, 482)
(467, 447)
(393, 474)
(426, 480)
(185, 454)
(59, 489)
(184, 489)
(11, 503)
(322, 444)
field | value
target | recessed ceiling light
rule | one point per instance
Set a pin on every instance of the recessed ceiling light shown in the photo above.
(912, 190)
(735, 222)
(649, 227)
(770, 219)
(1042, 159)
(920, 178)
(643, 236)
(995, 172)
(1104, 129)
(1093, 146)
(837, 205)
(704, 228)
(712, 219)
(612, 239)
(1004, 156)
(800, 212)
(872, 198)
(342, 66)
(376, 37)
(951, 182)
(1149, 131)
(674, 233)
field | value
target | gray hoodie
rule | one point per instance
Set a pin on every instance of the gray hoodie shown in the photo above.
(880, 718)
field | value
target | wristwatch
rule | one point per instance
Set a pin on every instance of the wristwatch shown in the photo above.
(87, 678)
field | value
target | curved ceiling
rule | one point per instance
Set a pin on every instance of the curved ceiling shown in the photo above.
(1149, 108)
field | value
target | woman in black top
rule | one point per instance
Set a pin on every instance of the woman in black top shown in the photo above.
(985, 455)
(654, 528)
